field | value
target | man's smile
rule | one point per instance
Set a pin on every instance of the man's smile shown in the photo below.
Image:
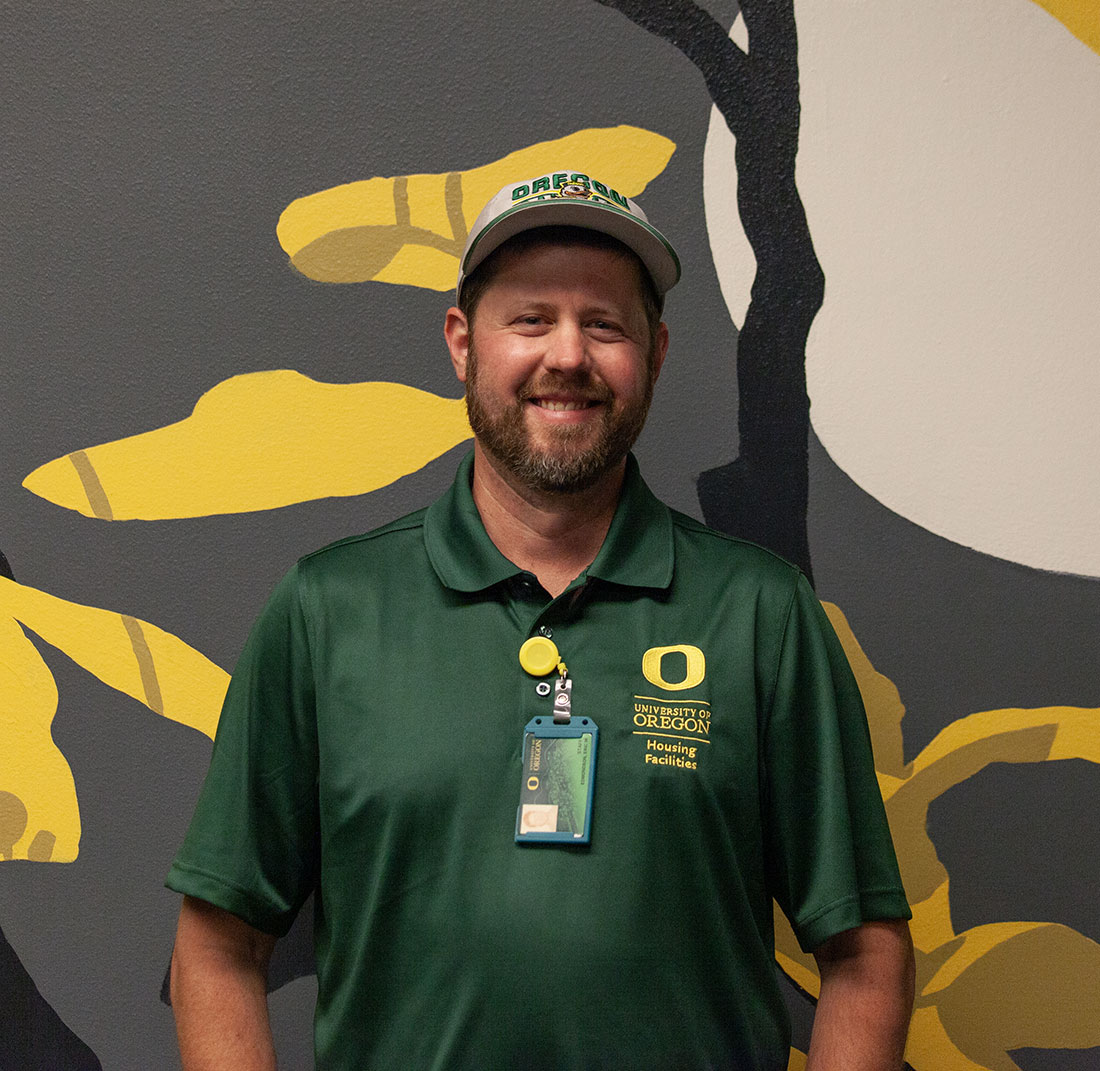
(557, 405)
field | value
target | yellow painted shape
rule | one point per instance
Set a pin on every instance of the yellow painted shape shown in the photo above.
(261, 441)
(435, 269)
(930, 1048)
(1075, 733)
(1000, 986)
(806, 980)
(427, 201)
(411, 229)
(931, 925)
(39, 814)
(1080, 17)
(131, 656)
(367, 203)
(797, 1061)
(882, 700)
(69, 486)
(1037, 987)
(975, 944)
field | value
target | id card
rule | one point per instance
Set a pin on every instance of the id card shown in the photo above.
(559, 766)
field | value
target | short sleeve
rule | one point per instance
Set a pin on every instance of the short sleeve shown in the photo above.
(252, 846)
(830, 858)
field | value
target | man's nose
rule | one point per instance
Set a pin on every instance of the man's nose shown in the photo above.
(567, 348)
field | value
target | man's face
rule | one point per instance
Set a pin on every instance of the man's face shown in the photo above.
(559, 365)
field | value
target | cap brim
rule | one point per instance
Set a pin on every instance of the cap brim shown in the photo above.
(652, 247)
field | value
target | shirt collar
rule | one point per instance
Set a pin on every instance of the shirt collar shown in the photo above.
(636, 552)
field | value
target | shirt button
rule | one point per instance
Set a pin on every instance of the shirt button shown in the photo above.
(546, 630)
(542, 688)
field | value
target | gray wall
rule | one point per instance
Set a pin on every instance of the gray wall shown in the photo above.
(149, 153)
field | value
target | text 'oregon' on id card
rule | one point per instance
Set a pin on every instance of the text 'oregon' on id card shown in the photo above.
(559, 767)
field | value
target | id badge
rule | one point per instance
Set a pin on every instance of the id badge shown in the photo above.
(559, 767)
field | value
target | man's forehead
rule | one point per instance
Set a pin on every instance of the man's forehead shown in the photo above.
(538, 249)
(604, 274)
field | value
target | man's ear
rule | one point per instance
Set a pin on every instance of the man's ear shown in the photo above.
(456, 330)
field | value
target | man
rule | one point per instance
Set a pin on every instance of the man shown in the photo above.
(545, 750)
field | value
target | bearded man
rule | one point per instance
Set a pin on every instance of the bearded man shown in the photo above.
(545, 751)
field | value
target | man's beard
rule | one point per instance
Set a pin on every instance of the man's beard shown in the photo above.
(574, 460)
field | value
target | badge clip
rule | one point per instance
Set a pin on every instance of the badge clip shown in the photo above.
(563, 701)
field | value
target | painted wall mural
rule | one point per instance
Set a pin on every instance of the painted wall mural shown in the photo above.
(995, 987)
(846, 184)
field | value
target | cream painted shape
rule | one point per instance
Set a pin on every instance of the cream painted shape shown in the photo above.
(948, 164)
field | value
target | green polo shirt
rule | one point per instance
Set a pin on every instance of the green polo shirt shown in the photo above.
(370, 748)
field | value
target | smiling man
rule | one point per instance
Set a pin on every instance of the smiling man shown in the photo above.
(564, 314)
(545, 751)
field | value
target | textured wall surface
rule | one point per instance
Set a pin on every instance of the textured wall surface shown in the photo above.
(228, 236)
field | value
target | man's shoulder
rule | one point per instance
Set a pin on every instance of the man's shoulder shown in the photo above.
(732, 551)
(392, 537)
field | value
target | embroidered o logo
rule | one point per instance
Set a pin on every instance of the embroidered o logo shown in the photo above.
(653, 665)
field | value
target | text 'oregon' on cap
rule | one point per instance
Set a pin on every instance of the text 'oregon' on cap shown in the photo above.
(573, 199)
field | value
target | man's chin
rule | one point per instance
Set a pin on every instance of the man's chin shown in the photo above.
(562, 460)
(564, 472)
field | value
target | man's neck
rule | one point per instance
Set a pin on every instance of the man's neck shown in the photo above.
(555, 536)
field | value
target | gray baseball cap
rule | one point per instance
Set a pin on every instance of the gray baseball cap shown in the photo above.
(569, 198)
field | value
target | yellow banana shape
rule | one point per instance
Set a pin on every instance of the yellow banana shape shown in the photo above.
(259, 441)
(1070, 733)
(411, 229)
(996, 987)
(39, 816)
(131, 656)
(1010, 985)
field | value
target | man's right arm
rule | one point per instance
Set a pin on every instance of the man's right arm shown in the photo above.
(219, 990)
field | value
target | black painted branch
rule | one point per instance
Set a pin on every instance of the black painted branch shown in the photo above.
(763, 494)
(33, 1036)
(700, 37)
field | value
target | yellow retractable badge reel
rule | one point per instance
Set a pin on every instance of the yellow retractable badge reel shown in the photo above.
(539, 656)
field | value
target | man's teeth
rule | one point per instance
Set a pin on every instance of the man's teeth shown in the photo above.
(558, 407)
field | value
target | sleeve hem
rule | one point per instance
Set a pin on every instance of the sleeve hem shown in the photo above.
(850, 912)
(215, 890)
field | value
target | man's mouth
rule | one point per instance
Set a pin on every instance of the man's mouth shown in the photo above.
(557, 406)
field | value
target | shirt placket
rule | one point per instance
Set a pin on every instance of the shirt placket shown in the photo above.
(536, 614)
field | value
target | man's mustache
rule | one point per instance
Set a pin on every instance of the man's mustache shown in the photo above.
(581, 387)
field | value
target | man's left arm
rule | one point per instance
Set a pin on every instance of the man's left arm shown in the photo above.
(862, 1017)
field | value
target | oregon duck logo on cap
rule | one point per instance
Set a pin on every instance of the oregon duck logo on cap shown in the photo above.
(574, 189)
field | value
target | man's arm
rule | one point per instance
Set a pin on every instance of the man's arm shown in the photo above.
(219, 990)
(866, 998)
